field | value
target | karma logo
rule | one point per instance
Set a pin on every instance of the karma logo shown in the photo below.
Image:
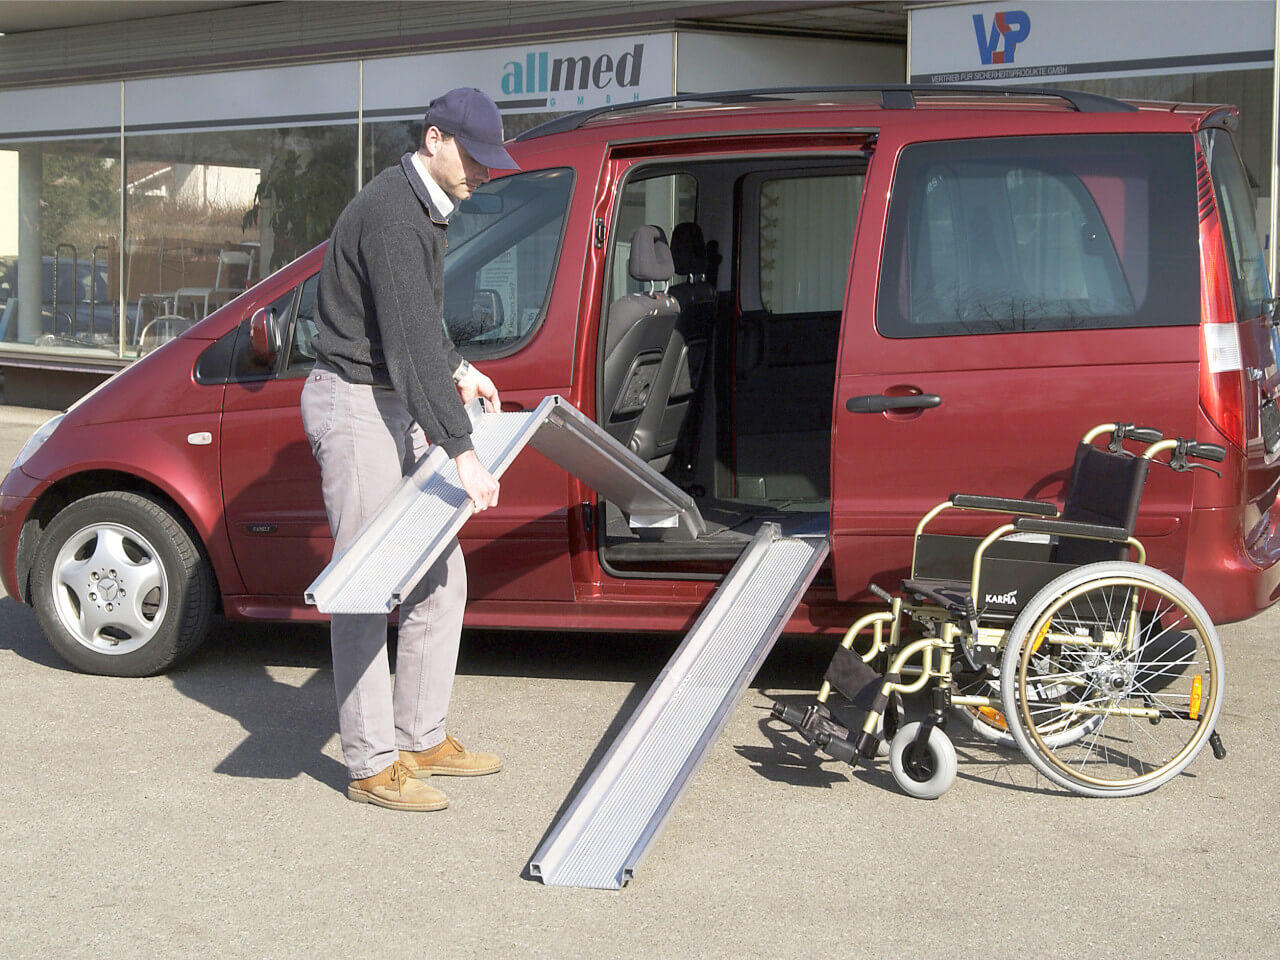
(1011, 26)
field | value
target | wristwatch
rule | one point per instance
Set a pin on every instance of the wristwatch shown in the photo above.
(463, 369)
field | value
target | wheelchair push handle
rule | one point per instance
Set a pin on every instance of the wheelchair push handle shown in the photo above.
(1184, 450)
(1207, 451)
(1121, 432)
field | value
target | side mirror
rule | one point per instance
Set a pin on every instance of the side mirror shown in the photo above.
(264, 336)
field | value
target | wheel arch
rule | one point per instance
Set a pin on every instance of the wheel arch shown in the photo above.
(67, 490)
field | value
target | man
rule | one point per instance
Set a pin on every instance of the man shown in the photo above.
(386, 371)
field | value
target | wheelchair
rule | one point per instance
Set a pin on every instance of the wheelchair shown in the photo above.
(1109, 678)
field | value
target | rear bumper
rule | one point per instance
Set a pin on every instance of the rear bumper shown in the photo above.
(1233, 568)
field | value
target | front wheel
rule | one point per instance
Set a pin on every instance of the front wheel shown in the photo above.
(925, 770)
(1130, 649)
(120, 586)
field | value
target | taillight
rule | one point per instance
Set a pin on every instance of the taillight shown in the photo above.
(1222, 382)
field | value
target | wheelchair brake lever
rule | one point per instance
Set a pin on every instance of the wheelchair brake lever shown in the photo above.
(1204, 466)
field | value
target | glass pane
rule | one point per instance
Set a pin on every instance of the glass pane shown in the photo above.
(302, 355)
(806, 238)
(503, 246)
(660, 201)
(59, 230)
(1041, 233)
(1238, 210)
(211, 213)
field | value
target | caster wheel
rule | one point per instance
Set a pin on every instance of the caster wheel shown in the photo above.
(928, 771)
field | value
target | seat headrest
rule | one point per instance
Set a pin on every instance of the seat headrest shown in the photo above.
(688, 249)
(650, 256)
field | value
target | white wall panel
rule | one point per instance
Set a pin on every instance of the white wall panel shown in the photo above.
(313, 94)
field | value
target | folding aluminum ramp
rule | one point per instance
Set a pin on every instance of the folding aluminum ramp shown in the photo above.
(425, 512)
(605, 832)
(603, 835)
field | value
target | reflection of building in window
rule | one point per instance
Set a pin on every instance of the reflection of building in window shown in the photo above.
(204, 185)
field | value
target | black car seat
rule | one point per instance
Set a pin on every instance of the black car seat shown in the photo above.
(682, 361)
(638, 328)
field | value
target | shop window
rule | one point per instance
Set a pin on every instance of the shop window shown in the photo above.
(67, 252)
(211, 213)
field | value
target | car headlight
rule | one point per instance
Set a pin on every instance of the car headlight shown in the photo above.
(37, 440)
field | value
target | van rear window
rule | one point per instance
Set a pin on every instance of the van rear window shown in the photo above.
(1018, 234)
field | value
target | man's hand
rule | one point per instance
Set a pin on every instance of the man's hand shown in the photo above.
(480, 485)
(475, 384)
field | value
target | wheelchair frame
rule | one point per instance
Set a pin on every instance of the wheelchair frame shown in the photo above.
(1100, 648)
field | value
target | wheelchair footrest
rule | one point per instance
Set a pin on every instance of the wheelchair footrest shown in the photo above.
(814, 723)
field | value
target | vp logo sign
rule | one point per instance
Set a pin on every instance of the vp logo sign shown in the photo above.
(1012, 26)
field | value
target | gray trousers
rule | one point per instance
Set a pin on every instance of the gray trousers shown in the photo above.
(365, 441)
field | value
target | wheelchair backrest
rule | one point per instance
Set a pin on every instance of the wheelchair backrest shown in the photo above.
(1105, 488)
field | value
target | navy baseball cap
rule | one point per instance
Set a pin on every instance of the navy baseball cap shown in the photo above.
(469, 115)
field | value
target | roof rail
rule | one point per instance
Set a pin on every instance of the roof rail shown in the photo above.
(893, 96)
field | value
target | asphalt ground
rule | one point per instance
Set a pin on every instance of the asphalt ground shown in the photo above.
(202, 813)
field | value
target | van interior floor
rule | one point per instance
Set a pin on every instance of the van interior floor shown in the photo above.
(730, 526)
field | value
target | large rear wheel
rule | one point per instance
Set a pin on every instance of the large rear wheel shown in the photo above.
(1125, 644)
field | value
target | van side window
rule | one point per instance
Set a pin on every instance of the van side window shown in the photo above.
(302, 355)
(662, 201)
(1041, 233)
(1237, 209)
(502, 247)
(806, 235)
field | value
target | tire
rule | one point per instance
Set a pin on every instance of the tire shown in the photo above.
(120, 586)
(1157, 694)
(932, 775)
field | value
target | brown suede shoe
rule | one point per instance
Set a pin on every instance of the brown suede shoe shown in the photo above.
(396, 788)
(450, 759)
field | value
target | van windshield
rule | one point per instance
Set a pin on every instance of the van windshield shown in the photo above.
(1018, 234)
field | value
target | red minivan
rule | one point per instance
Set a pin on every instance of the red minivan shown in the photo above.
(873, 299)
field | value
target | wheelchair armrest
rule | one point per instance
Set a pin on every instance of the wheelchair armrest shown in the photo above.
(1031, 508)
(1066, 528)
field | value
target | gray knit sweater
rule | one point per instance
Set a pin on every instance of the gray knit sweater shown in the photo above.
(381, 302)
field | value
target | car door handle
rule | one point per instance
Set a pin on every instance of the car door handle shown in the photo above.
(879, 403)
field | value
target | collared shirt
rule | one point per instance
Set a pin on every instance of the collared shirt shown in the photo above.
(443, 202)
